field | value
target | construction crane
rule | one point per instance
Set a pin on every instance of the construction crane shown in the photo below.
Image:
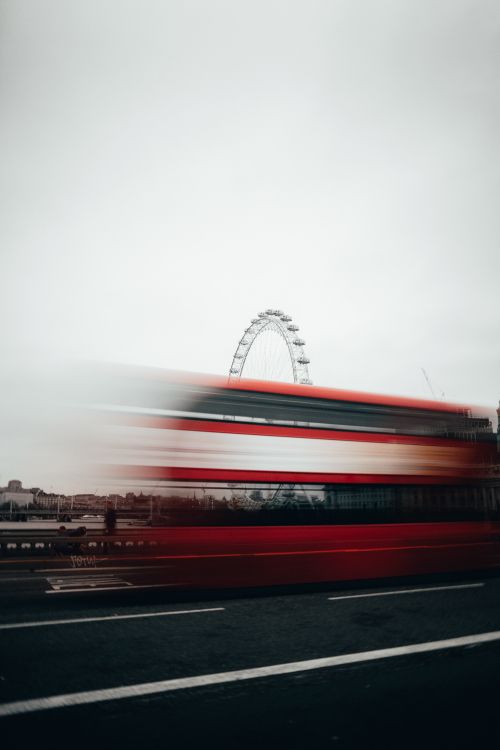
(430, 386)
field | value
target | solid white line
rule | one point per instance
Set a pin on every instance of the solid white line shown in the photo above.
(131, 587)
(91, 582)
(407, 591)
(164, 686)
(108, 576)
(103, 569)
(40, 623)
(93, 587)
(81, 581)
(90, 585)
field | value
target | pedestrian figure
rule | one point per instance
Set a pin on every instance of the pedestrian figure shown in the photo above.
(110, 520)
(80, 531)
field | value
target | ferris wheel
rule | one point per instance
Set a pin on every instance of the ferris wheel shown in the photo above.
(271, 349)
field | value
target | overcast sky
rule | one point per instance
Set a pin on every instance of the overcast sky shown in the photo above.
(169, 169)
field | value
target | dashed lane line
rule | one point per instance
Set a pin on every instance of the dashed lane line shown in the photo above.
(407, 591)
(109, 618)
(164, 686)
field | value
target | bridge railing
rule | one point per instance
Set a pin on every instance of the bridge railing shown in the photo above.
(38, 545)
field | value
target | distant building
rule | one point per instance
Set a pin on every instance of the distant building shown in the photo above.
(15, 494)
(85, 499)
(116, 499)
(473, 428)
(349, 497)
(48, 500)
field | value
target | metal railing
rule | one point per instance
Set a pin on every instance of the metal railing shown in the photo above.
(39, 545)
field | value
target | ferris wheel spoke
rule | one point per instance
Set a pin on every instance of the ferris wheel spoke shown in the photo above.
(262, 355)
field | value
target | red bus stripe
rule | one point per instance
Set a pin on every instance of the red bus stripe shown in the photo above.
(304, 391)
(176, 474)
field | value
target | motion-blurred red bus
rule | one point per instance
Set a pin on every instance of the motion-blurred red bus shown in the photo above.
(255, 483)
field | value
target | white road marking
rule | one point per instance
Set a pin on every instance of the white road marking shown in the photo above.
(40, 623)
(407, 591)
(70, 581)
(131, 587)
(87, 582)
(164, 686)
(98, 571)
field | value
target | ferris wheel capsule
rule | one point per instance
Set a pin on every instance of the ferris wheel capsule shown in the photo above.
(277, 322)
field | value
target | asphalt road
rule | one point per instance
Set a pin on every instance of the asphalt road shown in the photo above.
(192, 670)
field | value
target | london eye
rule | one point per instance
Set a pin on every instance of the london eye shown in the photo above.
(271, 349)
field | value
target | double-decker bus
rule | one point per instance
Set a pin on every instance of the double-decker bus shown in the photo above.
(255, 483)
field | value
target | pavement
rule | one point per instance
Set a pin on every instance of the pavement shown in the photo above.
(409, 662)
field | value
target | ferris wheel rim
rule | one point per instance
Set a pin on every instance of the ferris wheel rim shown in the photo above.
(278, 321)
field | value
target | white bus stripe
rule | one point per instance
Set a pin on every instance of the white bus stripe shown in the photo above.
(164, 686)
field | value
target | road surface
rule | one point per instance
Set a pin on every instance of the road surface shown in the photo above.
(408, 663)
